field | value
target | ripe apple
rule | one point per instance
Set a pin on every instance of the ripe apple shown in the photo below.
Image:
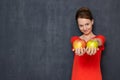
(92, 44)
(79, 43)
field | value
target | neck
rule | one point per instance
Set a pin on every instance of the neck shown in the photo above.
(87, 37)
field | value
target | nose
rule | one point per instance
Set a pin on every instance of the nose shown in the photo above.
(84, 28)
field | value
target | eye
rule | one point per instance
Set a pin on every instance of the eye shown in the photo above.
(80, 26)
(87, 24)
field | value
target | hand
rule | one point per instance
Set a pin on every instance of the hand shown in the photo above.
(91, 51)
(79, 51)
(98, 40)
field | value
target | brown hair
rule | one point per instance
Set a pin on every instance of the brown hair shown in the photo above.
(83, 12)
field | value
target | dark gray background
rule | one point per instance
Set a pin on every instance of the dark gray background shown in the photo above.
(35, 38)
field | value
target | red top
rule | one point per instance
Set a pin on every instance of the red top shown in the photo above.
(87, 67)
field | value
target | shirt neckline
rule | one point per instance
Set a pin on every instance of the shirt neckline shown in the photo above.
(88, 40)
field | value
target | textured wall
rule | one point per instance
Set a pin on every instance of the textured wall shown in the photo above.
(35, 34)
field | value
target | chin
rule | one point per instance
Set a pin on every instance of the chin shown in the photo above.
(86, 33)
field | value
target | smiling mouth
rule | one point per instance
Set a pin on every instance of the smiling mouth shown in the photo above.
(85, 31)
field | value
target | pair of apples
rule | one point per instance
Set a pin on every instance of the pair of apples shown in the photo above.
(81, 43)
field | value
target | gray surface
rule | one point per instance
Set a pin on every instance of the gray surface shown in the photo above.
(35, 34)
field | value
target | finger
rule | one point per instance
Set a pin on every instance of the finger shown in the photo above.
(76, 52)
(73, 49)
(94, 51)
(91, 51)
(88, 51)
(97, 49)
(81, 50)
(84, 50)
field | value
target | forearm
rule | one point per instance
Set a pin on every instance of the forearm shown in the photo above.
(99, 41)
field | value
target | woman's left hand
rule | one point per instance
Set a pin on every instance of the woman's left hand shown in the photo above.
(91, 51)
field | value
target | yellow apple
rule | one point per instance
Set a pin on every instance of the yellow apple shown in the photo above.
(92, 44)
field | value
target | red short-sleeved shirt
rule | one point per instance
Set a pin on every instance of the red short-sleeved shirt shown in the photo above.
(87, 67)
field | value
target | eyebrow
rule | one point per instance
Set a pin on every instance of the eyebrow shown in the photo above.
(80, 25)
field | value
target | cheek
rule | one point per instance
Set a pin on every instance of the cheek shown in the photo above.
(90, 27)
(81, 29)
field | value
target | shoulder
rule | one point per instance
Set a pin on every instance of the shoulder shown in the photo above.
(100, 36)
(73, 38)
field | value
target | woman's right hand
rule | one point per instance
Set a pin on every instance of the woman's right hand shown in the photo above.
(79, 51)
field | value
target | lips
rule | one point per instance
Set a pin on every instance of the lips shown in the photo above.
(85, 31)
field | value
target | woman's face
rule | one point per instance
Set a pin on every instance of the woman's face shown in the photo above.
(85, 25)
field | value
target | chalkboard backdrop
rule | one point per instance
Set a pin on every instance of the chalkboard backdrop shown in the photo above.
(35, 38)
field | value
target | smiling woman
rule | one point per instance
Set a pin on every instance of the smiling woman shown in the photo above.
(85, 25)
(86, 64)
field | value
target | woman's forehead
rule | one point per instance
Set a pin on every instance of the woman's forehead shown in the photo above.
(83, 20)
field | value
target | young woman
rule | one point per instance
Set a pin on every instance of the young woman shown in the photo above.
(86, 64)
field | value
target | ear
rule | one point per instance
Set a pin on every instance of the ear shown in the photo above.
(92, 21)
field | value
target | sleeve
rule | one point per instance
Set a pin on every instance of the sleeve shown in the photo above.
(102, 38)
